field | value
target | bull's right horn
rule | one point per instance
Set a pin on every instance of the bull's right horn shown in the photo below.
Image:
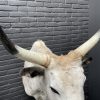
(27, 55)
(88, 45)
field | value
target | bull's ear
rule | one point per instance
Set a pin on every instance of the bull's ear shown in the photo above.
(32, 71)
(87, 61)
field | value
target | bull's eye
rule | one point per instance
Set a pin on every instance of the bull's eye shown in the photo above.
(34, 73)
(54, 90)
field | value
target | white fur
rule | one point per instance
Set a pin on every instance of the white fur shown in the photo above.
(69, 83)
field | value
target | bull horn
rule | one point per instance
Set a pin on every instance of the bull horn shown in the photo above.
(89, 44)
(31, 56)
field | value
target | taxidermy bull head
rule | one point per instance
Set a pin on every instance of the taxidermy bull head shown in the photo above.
(47, 76)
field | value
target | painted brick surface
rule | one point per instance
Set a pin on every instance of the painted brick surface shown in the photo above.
(62, 24)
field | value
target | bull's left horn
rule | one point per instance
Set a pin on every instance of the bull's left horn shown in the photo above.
(31, 56)
(89, 44)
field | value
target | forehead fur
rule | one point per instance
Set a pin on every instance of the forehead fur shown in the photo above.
(72, 56)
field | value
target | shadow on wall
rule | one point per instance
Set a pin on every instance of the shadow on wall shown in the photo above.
(94, 67)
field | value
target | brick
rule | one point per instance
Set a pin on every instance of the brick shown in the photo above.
(83, 10)
(64, 15)
(65, 23)
(28, 30)
(76, 23)
(3, 2)
(18, 14)
(19, 25)
(68, 10)
(26, 42)
(6, 77)
(27, 19)
(84, 27)
(60, 28)
(31, 9)
(43, 0)
(35, 14)
(35, 4)
(84, 2)
(51, 24)
(23, 8)
(14, 80)
(12, 30)
(2, 73)
(55, 45)
(46, 38)
(44, 19)
(58, 19)
(10, 66)
(76, 11)
(65, 5)
(43, 9)
(10, 97)
(73, 35)
(8, 86)
(85, 31)
(3, 52)
(58, 1)
(8, 20)
(8, 8)
(37, 24)
(17, 3)
(22, 35)
(60, 37)
(13, 71)
(83, 19)
(4, 14)
(77, 6)
(57, 10)
(5, 25)
(48, 33)
(72, 1)
(72, 19)
(85, 23)
(74, 32)
(74, 27)
(4, 92)
(13, 92)
(45, 29)
(51, 5)
(51, 14)
(80, 15)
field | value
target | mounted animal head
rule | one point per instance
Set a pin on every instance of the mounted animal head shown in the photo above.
(47, 76)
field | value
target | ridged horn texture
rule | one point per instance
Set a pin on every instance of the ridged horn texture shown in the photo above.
(89, 44)
(31, 56)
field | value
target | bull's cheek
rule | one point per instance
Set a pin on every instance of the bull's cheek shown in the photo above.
(34, 86)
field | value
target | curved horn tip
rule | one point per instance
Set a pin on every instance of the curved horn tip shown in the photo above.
(89, 44)
(98, 32)
(7, 43)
